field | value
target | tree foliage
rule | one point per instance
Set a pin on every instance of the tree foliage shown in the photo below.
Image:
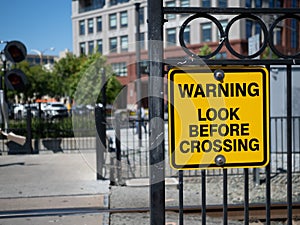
(78, 78)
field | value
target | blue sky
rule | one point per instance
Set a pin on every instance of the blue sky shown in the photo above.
(38, 24)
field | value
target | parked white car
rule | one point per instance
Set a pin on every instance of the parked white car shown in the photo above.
(20, 110)
(55, 110)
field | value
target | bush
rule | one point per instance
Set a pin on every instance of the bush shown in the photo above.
(56, 128)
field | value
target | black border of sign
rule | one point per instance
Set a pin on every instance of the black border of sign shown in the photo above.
(266, 116)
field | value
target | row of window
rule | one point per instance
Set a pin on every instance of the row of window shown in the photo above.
(122, 42)
(114, 43)
(96, 23)
(90, 23)
(205, 33)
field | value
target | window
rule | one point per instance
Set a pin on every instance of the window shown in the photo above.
(186, 35)
(171, 4)
(206, 32)
(99, 24)
(222, 3)
(82, 48)
(113, 44)
(88, 5)
(142, 15)
(184, 3)
(124, 43)
(248, 3)
(90, 26)
(123, 19)
(248, 28)
(99, 46)
(294, 35)
(224, 24)
(91, 47)
(206, 3)
(142, 40)
(81, 27)
(115, 2)
(171, 36)
(221, 55)
(257, 28)
(120, 69)
(113, 21)
(258, 3)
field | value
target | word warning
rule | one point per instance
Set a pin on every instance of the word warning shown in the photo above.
(218, 117)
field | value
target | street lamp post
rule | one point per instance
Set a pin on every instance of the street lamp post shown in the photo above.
(41, 53)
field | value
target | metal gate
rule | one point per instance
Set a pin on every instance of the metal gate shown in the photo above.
(157, 66)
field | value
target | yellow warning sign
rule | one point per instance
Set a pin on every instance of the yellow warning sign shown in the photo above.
(218, 117)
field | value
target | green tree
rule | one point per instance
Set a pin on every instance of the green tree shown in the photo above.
(87, 84)
(205, 50)
(76, 77)
(65, 74)
(39, 82)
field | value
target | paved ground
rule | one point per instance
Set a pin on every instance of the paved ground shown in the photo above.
(49, 184)
(35, 189)
(62, 189)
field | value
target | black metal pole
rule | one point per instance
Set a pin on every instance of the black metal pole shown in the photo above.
(118, 146)
(289, 143)
(203, 196)
(246, 196)
(180, 178)
(138, 73)
(156, 113)
(100, 117)
(29, 131)
(225, 197)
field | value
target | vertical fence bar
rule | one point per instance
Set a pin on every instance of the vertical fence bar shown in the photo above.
(156, 112)
(203, 196)
(268, 194)
(180, 178)
(246, 196)
(225, 199)
(268, 176)
(289, 142)
(118, 147)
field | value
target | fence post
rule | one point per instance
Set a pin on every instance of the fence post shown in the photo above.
(156, 112)
(100, 140)
(28, 144)
(118, 146)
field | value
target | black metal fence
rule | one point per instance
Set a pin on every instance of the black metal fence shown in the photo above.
(285, 145)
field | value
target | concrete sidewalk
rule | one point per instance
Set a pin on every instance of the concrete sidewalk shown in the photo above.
(52, 182)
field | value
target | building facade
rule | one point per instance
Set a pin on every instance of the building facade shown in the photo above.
(110, 28)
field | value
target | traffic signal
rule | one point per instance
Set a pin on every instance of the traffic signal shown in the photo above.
(16, 80)
(15, 51)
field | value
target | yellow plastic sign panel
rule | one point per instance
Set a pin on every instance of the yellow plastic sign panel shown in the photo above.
(218, 117)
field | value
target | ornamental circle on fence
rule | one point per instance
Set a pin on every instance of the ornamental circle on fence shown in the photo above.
(267, 39)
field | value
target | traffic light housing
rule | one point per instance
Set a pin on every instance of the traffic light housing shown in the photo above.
(16, 80)
(15, 51)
